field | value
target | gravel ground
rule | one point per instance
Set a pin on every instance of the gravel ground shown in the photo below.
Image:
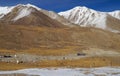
(22, 58)
(34, 58)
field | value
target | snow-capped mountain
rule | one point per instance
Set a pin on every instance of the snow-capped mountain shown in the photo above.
(5, 10)
(28, 15)
(32, 15)
(16, 14)
(84, 16)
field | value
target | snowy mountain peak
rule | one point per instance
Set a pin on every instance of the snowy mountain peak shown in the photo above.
(73, 11)
(28, 6)
(31, 15)
(84, 16)
(23, 9)
(80, 7)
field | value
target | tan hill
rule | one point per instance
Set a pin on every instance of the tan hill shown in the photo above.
(113, 24)
(24, 37)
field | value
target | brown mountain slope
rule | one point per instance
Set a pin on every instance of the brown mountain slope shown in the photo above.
(57, 17)
(113, 23)
(23, 37)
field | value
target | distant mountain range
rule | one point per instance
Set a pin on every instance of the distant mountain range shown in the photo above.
(32, 15)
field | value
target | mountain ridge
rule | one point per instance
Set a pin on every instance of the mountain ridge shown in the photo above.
(81, 16)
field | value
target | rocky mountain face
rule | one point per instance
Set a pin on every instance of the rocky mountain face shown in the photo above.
(84, 16)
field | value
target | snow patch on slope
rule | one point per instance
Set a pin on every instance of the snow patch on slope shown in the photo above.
(24, 12)
(115, 14)
(5, 10)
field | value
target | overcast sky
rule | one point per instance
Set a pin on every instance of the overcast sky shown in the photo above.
(62, 5)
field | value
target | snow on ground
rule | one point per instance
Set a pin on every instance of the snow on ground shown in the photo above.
(104, 71)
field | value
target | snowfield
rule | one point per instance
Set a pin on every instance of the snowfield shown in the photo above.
(104, 71)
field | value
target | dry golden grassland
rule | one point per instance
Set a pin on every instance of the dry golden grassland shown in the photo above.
(83, 62)
(57, 41)
(46, 51)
